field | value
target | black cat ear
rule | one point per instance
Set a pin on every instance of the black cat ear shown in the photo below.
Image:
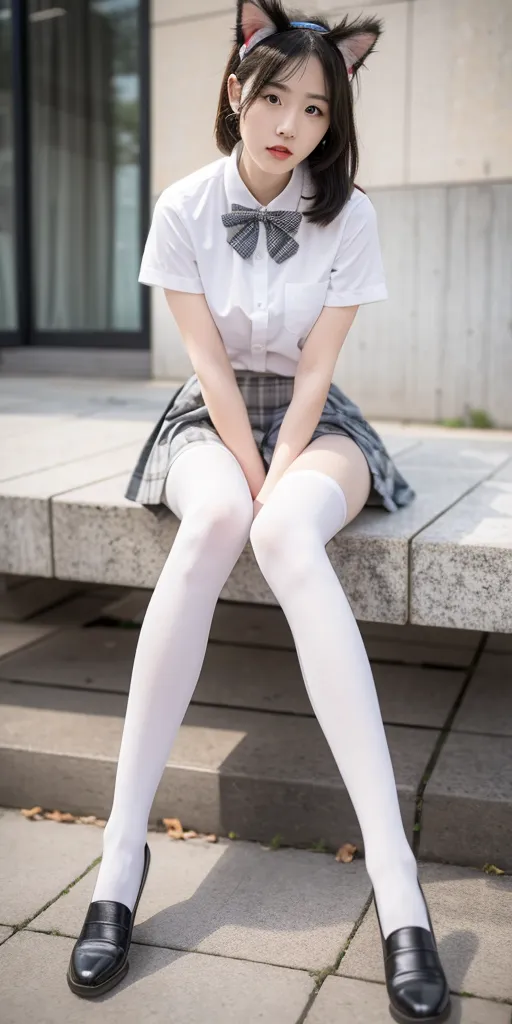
(357, 40)
(251, 19)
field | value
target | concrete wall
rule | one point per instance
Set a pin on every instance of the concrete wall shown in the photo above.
(434, 120)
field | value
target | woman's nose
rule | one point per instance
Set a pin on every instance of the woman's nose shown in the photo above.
(287, 127)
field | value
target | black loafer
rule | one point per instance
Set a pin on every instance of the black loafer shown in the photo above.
(99, 959)
(415, 980)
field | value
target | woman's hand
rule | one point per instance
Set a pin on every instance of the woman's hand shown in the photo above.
(256, 477)
(257, 505)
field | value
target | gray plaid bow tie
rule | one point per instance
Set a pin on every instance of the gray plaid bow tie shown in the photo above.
(280, 226)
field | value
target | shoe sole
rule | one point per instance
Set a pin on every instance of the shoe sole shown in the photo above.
(401, 1018)
(91, 991)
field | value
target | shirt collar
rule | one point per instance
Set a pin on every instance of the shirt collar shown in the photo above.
(237, 192)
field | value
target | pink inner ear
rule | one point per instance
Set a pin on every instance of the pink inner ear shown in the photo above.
(355, 47)
(252, 19)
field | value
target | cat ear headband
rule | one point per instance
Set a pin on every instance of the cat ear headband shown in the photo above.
(355, 41)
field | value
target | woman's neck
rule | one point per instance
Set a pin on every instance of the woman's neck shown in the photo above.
(264, 187)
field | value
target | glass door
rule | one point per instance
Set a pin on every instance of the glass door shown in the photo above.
(8, 298)
(83, 189)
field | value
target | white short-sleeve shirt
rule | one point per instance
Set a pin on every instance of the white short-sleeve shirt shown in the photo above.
(264, 310)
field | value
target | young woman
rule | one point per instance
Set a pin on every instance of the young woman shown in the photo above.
(265, 256)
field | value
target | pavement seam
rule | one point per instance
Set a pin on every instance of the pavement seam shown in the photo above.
(442, 738)
(23, 924)
(103, 622)
(303, 715)
(326, 972)
(462, 994)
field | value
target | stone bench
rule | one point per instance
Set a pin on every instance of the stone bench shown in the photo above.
(68, 448)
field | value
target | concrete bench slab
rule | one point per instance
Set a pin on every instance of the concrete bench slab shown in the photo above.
(257, 679)
(25, 509)
(467, 805)
(456, 453)
(100, 536)
(465, 554)
(253, 772)
(292, 908)
(161, 985)
(65, 442)
(472, 919)
(347, 1001)
(23, 426)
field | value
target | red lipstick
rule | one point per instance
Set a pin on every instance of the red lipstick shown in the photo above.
(280, 152)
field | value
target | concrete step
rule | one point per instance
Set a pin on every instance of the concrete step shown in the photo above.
(253, 772)
(250, 756)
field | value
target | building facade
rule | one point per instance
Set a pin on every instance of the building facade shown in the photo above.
(112, 100)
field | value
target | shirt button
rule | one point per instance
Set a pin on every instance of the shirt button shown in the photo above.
(260, 305)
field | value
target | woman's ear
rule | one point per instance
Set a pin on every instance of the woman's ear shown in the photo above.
(357, 40)
(250, 19)
(234, 93)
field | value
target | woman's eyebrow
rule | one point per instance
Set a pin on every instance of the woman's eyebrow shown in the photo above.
(309, 95)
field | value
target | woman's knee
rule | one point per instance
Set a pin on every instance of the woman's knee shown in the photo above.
(221, 525)
(282, 547)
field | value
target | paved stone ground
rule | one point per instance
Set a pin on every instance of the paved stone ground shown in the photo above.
(232, 931)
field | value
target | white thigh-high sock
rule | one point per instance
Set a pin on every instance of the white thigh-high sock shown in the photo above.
(207, 490)
(304, 511)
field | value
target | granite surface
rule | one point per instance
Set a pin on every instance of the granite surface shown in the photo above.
(461, 568)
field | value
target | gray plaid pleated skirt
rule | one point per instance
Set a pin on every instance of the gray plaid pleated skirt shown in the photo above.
(267, 396)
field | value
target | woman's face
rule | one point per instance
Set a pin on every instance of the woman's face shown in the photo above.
(293, 115)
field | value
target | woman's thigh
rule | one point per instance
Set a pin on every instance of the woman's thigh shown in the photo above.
(342, 459)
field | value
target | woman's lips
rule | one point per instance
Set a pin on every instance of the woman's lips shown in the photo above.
(280, 152)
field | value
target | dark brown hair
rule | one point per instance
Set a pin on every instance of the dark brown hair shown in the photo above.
(333, 166)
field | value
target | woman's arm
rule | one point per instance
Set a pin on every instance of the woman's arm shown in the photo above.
(219, 387)
(312, 382)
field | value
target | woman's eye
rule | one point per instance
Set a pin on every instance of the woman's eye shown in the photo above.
(272, 96)
(312, 107)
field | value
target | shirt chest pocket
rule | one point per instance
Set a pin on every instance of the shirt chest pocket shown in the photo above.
(303, 304)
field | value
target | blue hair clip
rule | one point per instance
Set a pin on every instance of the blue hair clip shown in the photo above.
(308, 24)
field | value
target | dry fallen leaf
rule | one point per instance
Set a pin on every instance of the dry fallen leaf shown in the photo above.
(89, 819)
(59, 816)
(190, 834)
(346, 853)
(175, 833)
(491, 869)
(211, 838)
(34, 812)
(174, 823)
